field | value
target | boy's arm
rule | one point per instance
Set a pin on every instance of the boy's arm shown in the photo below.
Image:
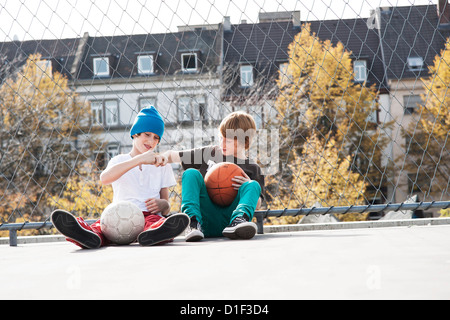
(171, 156)
(114, 172)
(165, 206)
(159, 205)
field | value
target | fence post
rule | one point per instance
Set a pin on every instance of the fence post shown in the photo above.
(13, 238)
(259, 223)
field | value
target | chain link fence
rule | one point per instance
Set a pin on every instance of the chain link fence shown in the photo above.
(350, 100)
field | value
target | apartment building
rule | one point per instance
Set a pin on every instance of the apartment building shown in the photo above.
(198, 74)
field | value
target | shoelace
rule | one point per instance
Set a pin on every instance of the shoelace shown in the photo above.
(195, 225)
(238, 220)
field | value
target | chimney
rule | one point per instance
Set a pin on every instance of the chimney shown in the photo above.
(296, 19)
(79, 55)
(226, 23)
(443, 12)
(279, 16)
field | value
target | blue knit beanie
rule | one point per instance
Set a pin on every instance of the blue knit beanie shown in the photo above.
(148, 120)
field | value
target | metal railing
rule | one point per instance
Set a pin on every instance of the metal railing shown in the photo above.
(261, 214)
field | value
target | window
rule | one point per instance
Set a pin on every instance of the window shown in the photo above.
(373, 116)
(111, 113)
(145, 64)
(112, 150)
(105, 113)
(415, 63)
(191, 108)
(411, 103)
(246, 76)
(258, 115)
(360, 70)
(189, 62)
(285, 79)
(103, 157)
(100, 160)
(97, 112)
(44, 66)
(101, 67)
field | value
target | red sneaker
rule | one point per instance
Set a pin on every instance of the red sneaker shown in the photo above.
(76, 230)
(164, 230)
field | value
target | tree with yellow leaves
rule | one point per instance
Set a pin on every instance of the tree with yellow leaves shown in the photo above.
(321, 106)
(427, 139)
(84, 194)
(41, 118)
(321, 175)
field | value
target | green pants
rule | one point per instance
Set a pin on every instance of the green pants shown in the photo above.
(213, 218)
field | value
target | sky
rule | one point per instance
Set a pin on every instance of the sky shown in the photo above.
(50, 19)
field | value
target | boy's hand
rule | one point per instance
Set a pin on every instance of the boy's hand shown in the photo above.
(240, 180)
(155, 159)
(157, 205)
(148, 157)
(161, 160)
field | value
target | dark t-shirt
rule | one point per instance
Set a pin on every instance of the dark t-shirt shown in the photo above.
(205, 157)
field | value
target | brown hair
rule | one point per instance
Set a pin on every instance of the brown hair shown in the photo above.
(240, 125)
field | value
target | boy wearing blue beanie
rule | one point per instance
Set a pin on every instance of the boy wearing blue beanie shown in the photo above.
(134, 177)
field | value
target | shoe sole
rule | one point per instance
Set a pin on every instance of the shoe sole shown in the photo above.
(242, 231)
(172, 227)
(194, 236)
(68, 225)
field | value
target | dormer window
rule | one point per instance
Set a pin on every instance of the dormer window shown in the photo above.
(189, 62)
(360, 70)
(45, 66)
(246, 72)
(415, 63)
(101, 67)
(145, 64)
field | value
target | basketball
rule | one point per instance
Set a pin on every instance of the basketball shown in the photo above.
(219, 184)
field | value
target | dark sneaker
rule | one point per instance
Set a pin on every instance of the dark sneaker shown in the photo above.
(240, 228)
(75, 229)
(194, 231)
(164, 230)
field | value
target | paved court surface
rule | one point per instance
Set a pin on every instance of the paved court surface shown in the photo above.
(382, 263)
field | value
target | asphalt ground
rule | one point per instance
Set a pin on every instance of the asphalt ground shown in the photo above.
(371, 263)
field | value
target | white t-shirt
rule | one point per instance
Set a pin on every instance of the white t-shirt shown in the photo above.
(137, 186)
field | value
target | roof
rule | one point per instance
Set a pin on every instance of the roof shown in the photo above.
(265, 45)
(167, 49)
(404, 32)
(357, 37)
(62, 52)
(256, 42)
(411, 31)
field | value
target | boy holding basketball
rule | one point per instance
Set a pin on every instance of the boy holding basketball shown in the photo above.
(208, 219)
(136, 177)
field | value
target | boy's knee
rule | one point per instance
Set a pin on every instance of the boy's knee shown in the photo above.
(192, 174)
(252, 185)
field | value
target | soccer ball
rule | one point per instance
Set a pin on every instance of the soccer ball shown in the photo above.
(122, 222)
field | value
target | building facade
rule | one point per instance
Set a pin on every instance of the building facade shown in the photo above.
(197, 75)
(178, 73)
(410, 39)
